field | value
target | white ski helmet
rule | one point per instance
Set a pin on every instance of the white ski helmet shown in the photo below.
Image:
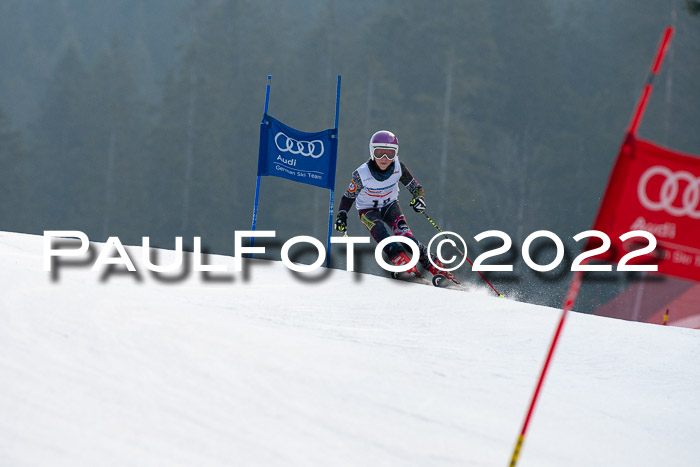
(383, 139)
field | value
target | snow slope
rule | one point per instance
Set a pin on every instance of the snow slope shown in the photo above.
(344, 370)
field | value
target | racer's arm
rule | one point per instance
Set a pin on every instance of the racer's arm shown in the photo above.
(347, 200)
(414, 187)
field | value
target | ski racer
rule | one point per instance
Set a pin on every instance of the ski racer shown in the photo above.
(375, 189)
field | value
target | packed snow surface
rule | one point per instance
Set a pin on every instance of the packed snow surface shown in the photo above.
(271, 368)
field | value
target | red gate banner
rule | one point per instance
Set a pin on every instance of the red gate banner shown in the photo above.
(656, 190)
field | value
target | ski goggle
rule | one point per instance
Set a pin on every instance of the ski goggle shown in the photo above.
(384, 153)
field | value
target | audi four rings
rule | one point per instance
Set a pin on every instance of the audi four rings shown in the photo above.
(669, 192)
(305, 148)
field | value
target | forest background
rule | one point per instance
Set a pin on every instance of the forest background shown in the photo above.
(140, 118)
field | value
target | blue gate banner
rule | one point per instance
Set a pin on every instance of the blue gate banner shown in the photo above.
(298, 156)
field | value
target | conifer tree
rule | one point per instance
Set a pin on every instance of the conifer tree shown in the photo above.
(61, 147)
(13, 177)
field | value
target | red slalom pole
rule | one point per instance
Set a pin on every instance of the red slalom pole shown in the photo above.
(575, 285)
(568, 305)
(646, 92)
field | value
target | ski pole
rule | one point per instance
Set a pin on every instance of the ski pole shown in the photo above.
(461, 253)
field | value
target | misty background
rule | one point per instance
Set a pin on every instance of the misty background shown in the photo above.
(140, 118)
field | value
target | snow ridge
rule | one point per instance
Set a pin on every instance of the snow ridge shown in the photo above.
(347, 370)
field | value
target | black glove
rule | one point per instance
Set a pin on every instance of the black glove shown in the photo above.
(341, 222)
(418, 204)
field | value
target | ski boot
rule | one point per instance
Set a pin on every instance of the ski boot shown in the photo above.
(440, 275)
(400, 260)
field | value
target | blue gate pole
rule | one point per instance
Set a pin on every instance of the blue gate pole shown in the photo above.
(330, 210)
(337, 103)
(257, 184)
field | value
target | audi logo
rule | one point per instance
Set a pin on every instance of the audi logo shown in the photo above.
(666, 199)
(305, 148)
